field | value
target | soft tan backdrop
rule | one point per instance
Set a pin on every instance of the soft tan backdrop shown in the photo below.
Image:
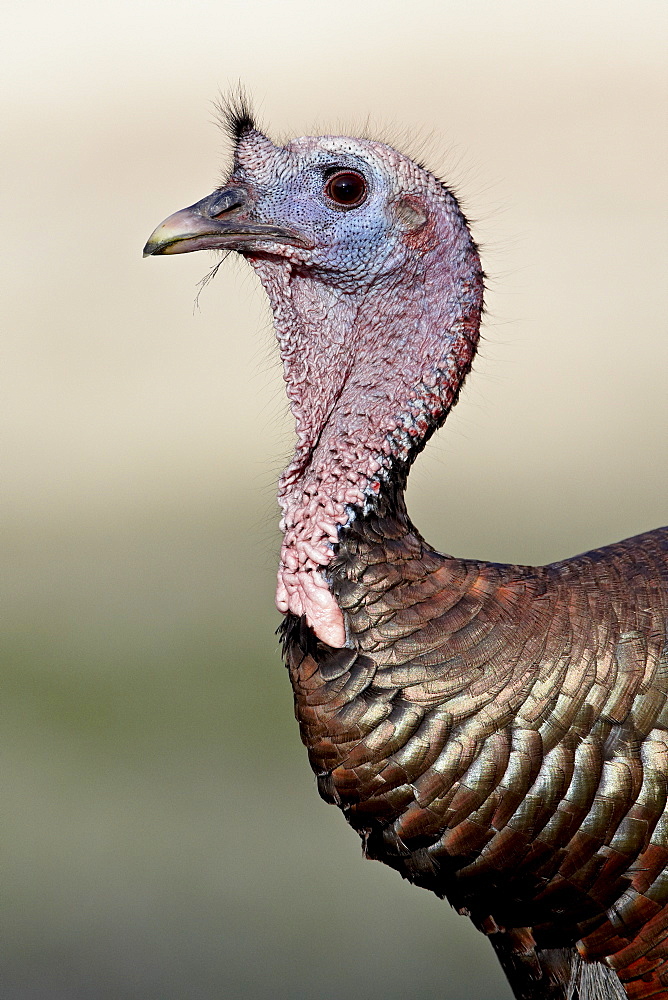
(162, 836)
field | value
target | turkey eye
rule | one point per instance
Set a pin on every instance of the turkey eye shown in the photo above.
(346, 188)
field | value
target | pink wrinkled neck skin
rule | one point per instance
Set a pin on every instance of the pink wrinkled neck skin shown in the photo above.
(368, 374)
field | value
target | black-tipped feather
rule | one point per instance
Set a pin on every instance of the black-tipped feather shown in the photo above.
(235, 113)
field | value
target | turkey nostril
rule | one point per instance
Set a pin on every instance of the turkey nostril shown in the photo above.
(222, 202)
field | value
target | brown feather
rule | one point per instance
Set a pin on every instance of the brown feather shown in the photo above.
(496, 735)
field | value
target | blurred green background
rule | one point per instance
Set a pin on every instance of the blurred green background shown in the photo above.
(162, 837)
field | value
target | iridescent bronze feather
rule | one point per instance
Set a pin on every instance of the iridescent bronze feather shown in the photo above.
(499, 736)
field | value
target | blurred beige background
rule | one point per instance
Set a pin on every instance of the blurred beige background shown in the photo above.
(162, 836)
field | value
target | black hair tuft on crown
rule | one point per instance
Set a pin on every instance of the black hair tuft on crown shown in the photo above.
(235, 114)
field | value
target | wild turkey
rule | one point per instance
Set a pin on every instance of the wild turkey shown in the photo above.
(498, 734)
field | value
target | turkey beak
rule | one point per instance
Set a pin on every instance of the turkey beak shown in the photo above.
(217, 222)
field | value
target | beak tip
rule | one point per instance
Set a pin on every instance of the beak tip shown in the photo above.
(156, 242)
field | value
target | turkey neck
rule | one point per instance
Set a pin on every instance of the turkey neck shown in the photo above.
(372, 368)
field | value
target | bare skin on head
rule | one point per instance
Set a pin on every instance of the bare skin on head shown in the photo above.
(373, 262)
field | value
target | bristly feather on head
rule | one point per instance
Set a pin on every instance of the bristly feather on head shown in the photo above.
(235, 114)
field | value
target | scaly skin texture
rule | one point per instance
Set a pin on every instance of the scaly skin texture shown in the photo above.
(498, 734)
(353, 443)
